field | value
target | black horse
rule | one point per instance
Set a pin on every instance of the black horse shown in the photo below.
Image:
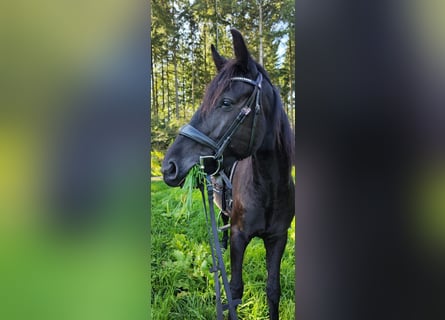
(241, 120)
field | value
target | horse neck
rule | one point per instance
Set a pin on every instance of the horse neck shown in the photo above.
(270, 164)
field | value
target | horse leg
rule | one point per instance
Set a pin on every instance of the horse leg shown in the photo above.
(274, 252)
(238, 244)
(225, 237)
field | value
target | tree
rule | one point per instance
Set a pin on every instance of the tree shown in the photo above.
(182, 31)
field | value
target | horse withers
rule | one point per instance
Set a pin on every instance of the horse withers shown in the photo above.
(242, 120)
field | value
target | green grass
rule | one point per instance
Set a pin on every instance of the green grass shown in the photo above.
(182, 285)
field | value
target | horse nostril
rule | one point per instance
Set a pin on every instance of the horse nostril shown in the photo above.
(171, 170)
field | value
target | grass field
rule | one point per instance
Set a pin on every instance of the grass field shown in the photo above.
(182, 285)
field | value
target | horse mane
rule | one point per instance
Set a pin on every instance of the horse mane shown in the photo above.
(283, 136)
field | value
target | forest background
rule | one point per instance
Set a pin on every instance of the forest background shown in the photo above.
(181, 35)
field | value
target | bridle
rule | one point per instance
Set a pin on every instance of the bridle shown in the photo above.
(218, 147)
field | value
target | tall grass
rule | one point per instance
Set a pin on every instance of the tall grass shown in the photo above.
(182, 285)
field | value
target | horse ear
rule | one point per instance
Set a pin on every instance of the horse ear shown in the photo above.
(240, 48)
(219, 60)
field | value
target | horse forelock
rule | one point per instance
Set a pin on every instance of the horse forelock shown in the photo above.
(218, 85)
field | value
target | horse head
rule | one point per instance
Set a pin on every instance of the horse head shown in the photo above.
(231, 123)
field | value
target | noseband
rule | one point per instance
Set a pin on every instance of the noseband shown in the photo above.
(219, 146)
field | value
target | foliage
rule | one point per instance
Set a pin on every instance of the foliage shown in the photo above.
(182, 32)
(195, 178)
(156, 160)
(164, 132)
(182, 285)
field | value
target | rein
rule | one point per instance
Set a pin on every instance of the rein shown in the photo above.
(217, 259)
(218, 147)
(253, 102)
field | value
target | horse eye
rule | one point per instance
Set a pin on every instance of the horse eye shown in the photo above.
(226, 103)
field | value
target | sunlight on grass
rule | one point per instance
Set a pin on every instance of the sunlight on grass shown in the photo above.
(182, 285)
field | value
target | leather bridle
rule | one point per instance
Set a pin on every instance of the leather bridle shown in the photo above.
(218, 147)
(253, 103)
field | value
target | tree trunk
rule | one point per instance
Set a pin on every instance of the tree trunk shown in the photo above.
(175, 64)
(260, 3)
(168, 92)
(205, 54)
(163, 85)
(193, 84)
(154, 96)
(184, 91)
(216, 25)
